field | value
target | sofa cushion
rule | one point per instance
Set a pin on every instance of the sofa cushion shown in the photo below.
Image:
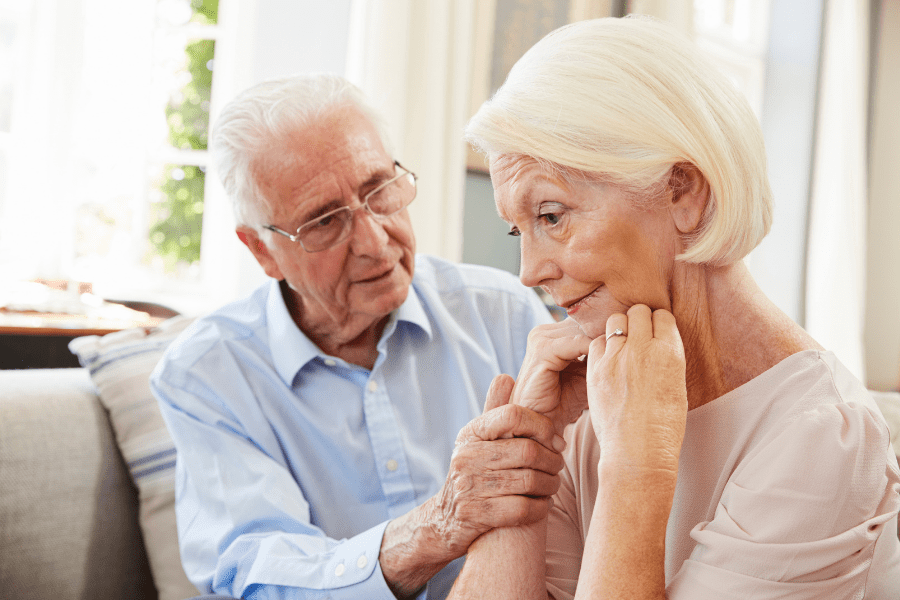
(120, 364)
(68, 509)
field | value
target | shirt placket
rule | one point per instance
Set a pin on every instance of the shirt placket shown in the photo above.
(387, 448)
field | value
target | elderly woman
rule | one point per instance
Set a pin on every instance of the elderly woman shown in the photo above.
(725, 454)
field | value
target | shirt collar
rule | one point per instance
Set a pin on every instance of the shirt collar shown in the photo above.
(291, 349)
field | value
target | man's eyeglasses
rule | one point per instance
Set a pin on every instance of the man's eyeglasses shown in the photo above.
(332, 228)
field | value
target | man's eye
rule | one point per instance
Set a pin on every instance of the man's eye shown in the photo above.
(514, 231)
(551, 218)
(324, 221)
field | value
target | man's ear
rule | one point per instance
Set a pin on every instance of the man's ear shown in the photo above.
(690, 193)
(250, 238)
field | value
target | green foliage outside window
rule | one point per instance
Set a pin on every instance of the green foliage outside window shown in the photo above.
(205, 12)
(175, 235)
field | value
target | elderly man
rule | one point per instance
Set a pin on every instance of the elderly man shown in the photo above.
(316, 419)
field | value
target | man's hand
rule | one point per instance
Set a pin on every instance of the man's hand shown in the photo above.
(503, 471)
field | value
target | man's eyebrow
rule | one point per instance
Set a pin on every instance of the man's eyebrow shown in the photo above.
(372, 182)
(377, 178)
(319, 211)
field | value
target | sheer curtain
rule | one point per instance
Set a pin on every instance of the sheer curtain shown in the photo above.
(413, 59)
(74, 144)
(836, 252)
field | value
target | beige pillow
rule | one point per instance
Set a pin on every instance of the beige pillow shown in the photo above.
(120, 364)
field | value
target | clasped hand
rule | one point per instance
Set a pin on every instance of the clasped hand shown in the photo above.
(634, 384)
(506, 462)
(503, 471)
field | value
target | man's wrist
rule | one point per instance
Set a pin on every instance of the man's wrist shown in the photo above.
(413, 551)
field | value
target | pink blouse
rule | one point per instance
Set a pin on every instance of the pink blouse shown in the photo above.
(787, 488)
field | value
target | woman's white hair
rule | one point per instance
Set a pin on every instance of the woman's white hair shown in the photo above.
(256, 120)
(626, 101)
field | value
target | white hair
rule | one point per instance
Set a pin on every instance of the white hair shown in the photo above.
(262, 115)
(624, 101)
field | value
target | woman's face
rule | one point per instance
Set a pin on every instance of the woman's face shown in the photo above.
(585, 243)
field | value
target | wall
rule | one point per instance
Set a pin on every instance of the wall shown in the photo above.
(882, 325)
(485, 239)
(266, 39)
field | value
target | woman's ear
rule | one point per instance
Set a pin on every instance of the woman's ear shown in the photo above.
(690, 193)
(250, 238)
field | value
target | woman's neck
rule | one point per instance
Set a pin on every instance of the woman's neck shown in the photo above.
(731, 331)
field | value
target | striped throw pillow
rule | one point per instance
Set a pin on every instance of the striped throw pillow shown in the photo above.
(120, 364)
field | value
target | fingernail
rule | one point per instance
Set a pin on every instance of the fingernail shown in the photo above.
(559, 444)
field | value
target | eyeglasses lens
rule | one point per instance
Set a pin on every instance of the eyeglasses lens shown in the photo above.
(392, 197)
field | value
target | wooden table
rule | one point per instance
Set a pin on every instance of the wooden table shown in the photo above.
(32, 340)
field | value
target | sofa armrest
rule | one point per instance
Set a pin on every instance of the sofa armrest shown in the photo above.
(69, 509)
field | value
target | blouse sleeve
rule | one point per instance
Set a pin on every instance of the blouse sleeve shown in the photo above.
(567, 523)
(800, 516)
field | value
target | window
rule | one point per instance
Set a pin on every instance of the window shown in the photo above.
(734, 33)
(106, 105)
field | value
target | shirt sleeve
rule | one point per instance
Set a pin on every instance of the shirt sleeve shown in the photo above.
(800, 516)
(243, 522)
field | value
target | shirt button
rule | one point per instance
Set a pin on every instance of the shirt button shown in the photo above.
(339, 570)
(362, 562)
(373, 386)
(330, 362)
(392, 465)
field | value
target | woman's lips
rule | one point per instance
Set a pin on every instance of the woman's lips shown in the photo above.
(574, 305)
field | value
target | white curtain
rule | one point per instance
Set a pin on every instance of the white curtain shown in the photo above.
(836, 262)
(37, 205)
(413, 59)
(679, 13)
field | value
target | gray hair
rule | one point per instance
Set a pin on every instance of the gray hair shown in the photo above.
(258, 117)
(624, 101)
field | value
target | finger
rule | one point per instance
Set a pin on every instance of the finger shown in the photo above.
(595, 355)
(512, 420)
(515, 482)
(640, 325)
(615, 323)
(508, 511)
(556, 343)
(500, 391)
(506, 454)
(665, 328)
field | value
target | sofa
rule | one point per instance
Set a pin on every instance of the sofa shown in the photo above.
(87, 475)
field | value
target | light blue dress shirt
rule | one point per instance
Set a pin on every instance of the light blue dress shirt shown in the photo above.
(291, 462)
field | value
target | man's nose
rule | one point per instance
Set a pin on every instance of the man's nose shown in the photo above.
(368, 236)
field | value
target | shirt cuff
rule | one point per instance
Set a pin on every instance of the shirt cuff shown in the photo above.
(355, 572)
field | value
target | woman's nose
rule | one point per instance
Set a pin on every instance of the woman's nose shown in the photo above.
(535, 268)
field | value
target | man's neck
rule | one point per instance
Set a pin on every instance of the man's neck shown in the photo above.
(357, 345)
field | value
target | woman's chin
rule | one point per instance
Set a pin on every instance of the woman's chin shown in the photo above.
(593, 312)
(591, 324)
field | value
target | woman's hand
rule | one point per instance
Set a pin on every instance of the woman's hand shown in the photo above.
(552, 378)
(637, 391)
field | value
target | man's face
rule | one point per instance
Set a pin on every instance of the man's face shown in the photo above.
(348, 290)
